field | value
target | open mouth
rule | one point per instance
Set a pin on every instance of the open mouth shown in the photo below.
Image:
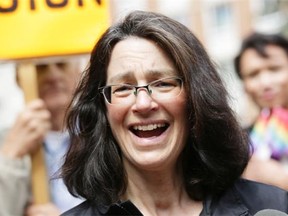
(151, 130)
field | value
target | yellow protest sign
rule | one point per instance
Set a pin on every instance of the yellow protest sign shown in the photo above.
(42, 28)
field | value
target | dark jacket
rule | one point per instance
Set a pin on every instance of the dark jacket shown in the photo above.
(244, 198)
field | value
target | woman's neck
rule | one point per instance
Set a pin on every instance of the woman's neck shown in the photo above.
(160, 193)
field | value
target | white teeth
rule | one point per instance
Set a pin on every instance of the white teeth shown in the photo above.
(148, 127)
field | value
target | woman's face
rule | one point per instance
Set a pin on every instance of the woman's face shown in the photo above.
(150, 132)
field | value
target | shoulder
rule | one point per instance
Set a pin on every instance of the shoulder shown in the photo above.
(119, 208)
(259, 196)
(83, 209)
(246, 197)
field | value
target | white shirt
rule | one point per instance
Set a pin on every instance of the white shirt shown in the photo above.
(56, 145)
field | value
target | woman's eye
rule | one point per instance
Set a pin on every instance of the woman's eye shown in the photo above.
(162, 84)
(121, 89)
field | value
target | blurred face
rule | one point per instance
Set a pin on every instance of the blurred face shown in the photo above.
(56, 83)
(266, 79)
(150, 132)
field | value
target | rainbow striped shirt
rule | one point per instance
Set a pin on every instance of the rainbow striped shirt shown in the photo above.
(270, 132)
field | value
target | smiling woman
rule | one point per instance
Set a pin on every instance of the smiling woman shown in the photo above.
(152, 130)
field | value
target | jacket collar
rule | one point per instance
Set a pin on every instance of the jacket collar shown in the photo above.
(228, 204)
(120, 208)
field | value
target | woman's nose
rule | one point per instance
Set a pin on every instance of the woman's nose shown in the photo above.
(143, 101)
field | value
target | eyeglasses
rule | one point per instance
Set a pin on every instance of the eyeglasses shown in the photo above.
(160, 90)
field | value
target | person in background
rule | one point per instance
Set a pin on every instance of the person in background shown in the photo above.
(152, 132)
(41, 123)
(262, 64)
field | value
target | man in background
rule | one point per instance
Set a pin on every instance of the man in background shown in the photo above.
(40, 124)
(262, 64)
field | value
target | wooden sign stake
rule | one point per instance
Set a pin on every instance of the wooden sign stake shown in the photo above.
(27, 76)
